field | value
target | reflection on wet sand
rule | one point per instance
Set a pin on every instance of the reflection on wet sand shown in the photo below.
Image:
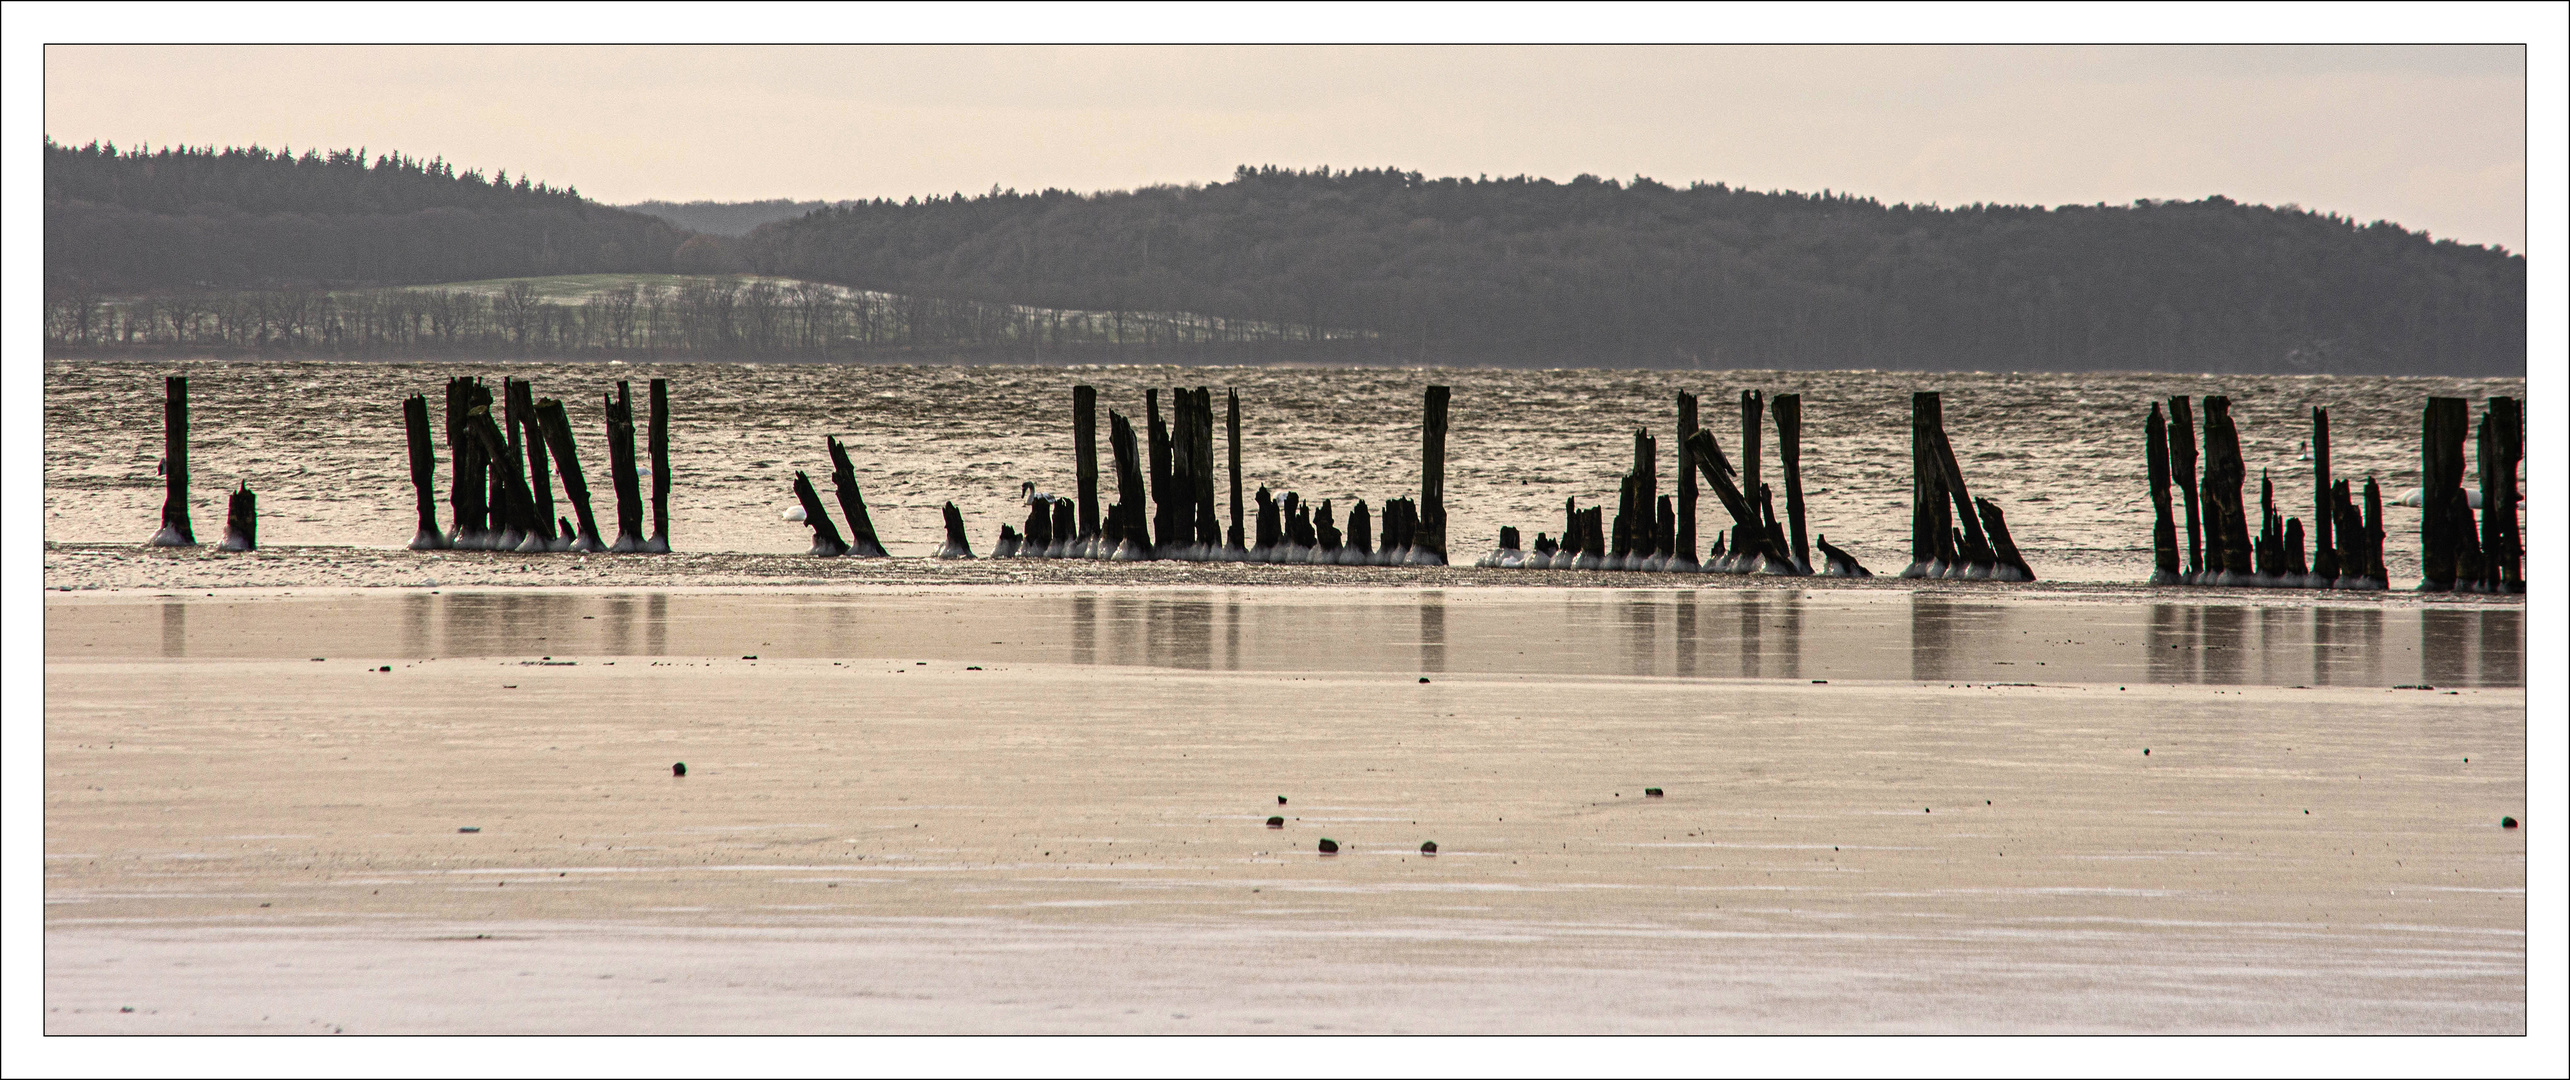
(1644, 633)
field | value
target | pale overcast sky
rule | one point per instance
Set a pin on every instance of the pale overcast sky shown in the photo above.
(2430, 137)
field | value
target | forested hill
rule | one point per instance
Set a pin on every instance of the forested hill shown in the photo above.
(182, 218)
(724, 218)
(1596, 272)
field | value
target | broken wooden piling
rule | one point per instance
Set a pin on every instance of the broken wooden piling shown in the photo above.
(1360, 531)
(2440, 490)
(862, 542)
(2181, 466)
(2011, 564)
(2501, 449)
(2164, 567)
(826, 541)
(2324, 516)
(241, 521)
(566, 456)
(957, 545)
(659, 445)
(527, 438)
(624, 469)
(465, 489)
(2226, 525)
(1128, 529)
(1929, 511)
(1231, 429)
(423, 474)
(1683, 557)
(1837, 563)
(1084, 455)
(1788, 410)
(1428, 548)
(176, 529)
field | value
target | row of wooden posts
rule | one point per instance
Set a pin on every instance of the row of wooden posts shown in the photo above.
(178, 529)
(1165, 507)
(2345, 542)
(500, 487)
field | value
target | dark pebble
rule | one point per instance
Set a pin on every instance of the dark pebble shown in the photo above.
(1329, 846)
(1429, 848)
(1423, 678)
(470, 828)
(1651, 793)
(749, 658)
(387, 667)
(679, 769)
(1280, 800)
(2146, 751)
(2507, 823)
(1276, 823)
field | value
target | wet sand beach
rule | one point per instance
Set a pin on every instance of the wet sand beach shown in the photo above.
(1015, 808)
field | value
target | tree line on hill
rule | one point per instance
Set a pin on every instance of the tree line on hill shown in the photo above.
(184, 218)
(1363, 265)
(1526, 270)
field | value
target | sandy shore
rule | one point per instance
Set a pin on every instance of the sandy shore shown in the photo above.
(241, 838)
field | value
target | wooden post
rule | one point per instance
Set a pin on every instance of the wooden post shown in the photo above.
(1838, 563)
(2181, 465)
(423, 474)
(2501, 449)
(520, 396)
(1978, 557)
(513, 510)
(862, 542)
(2324, 515)
(1927, 487)
(1664, 534)
(1644, 524)
(465, 493)
(1684, 556)
(2012, 565)
(825, 536)
(1271, 526)
(1360, 530)
(2348, 529)
(1084, 450)
(566, 455)
(1162, 532)
(1429, 547)
(2227, 526)
(659, 443)
(1231, 425)
(2163, 525)
(1131, 534)
(958, 546)
(1750, 539)
(1200, 434)
(1788, 409)
(622, 469)
(2441, 480)
(241, 522)
(2375, 572)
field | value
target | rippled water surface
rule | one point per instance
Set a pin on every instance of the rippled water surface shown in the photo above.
(322, 443)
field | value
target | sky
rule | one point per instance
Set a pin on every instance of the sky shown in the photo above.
(2430, 137)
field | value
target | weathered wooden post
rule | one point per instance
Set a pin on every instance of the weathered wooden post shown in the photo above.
(1163, 533)
(957, 545)
(513, 525)
(2324, 515)
(566, 455)
(659, 542)
(1684, 557)
(2181, 463)
(1231, 425)
(1084, 450)
(2227, 527)
(1209, 532)
(1643, 526)
(465, 493)
(2441, 482)
(423, 474)
(1928, 509)
(1360, 531)
(1428, 548)
(2164, 569)
(1978, 559)
(2375, 571)
(176, 528)
(862, 542)
(241, 521)
(1838, 563)
(2012, 565)
(2502, 447)
(1130, 527)
(519, 394)
(1789, 449)
(623, 469)
(2348, 529)
(826, 542)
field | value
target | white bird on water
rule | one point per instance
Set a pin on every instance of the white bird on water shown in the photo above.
(793, 513)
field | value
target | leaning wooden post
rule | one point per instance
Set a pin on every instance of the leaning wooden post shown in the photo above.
(2181, 467)
(513, 511)
(1429, 546)
(826, 542)
(862, 541)
(539, 469)
(1684, 557)
(241, 521)
(1129, 532)
(2163, 523)
(2012, 564)
(1084, 452)
(957, 545)
(2227, 529)
(175, 530)
(423, 474)
(1789, 449)
(566, 454)
(659, 443)
(1209, 533)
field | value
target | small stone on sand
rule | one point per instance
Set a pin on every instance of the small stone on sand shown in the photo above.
(470, 828)
(1651, 793)
(679, 769)
(1429, 848)
(2507, 823)
(1280, 800)
(1329, 846)
(1276, 823)
(1423, 678)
